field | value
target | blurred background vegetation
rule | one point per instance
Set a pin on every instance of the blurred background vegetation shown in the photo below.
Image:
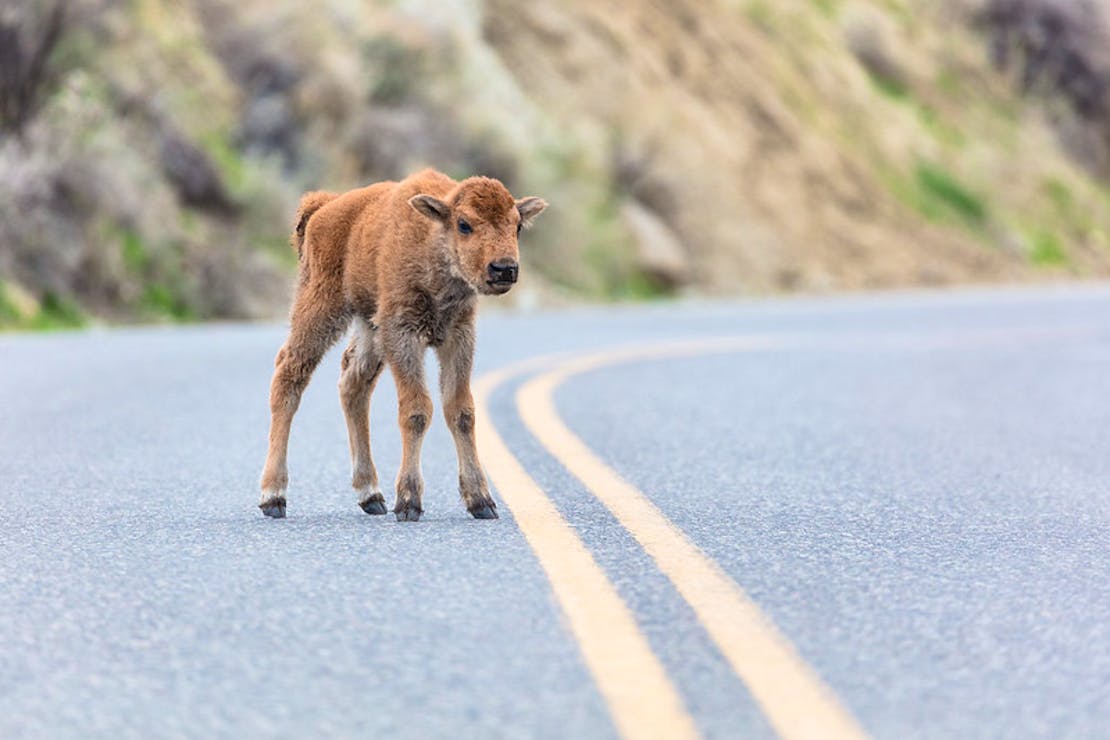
(152, 151)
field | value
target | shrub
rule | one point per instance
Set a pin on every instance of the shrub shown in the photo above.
(1057, 48)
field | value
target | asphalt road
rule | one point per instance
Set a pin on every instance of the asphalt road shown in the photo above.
(913, 489)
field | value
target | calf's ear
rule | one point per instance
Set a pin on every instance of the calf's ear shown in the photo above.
(433, 208)
(529, 208)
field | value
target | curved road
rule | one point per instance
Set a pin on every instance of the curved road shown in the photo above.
(883, 515)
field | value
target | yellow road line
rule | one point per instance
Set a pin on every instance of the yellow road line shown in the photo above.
(640, 696)
(793, 697)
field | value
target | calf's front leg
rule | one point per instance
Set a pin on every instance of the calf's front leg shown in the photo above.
(405, 354)
(456, 360)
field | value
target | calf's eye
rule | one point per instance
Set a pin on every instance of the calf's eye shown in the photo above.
(519, 225)
(464, 227)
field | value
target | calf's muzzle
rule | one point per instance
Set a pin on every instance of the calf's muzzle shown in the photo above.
(503, 271)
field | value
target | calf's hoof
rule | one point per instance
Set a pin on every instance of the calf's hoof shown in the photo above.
(484, 511)
(274, 508)
(408, 512)
(374, 505)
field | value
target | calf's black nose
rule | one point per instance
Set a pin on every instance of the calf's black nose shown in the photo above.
(503, 271)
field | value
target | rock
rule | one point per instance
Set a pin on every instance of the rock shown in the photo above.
(869, 35)
(660, 253)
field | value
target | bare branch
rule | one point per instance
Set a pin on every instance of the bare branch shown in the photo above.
(26, 48)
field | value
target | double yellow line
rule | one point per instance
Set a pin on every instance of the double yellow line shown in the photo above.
(641, 698)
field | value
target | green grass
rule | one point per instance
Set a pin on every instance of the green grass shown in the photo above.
(56, 313)
(229, 162)
(640, 287)
(1047, 250)
(759, 12)
(941, 130)
(950, 83)
(938, 196)
(160, 300)
(605, 254)
(161, 296)
(610, 253)
(890, 88)
(53, 313)
(943, 195)
(828, 8)
(1059, 194)
(134, 253)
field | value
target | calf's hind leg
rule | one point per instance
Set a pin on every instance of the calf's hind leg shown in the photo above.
(405, 354)
(362, 364)
(310, 337)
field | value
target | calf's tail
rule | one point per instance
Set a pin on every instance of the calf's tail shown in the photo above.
(310, 203)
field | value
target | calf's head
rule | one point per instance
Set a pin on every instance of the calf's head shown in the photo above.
(482, 223)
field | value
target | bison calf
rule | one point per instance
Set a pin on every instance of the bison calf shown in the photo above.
(405, 261)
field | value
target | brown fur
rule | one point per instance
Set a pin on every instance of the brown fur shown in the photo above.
(392, 256)
(310, 203)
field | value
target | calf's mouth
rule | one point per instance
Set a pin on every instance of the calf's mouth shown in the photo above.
(497, 287)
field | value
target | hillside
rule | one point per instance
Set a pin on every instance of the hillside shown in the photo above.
(739, 147)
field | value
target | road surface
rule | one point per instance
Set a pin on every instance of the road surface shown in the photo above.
(881, 515)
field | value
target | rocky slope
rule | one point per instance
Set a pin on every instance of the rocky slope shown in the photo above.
(721, 146)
